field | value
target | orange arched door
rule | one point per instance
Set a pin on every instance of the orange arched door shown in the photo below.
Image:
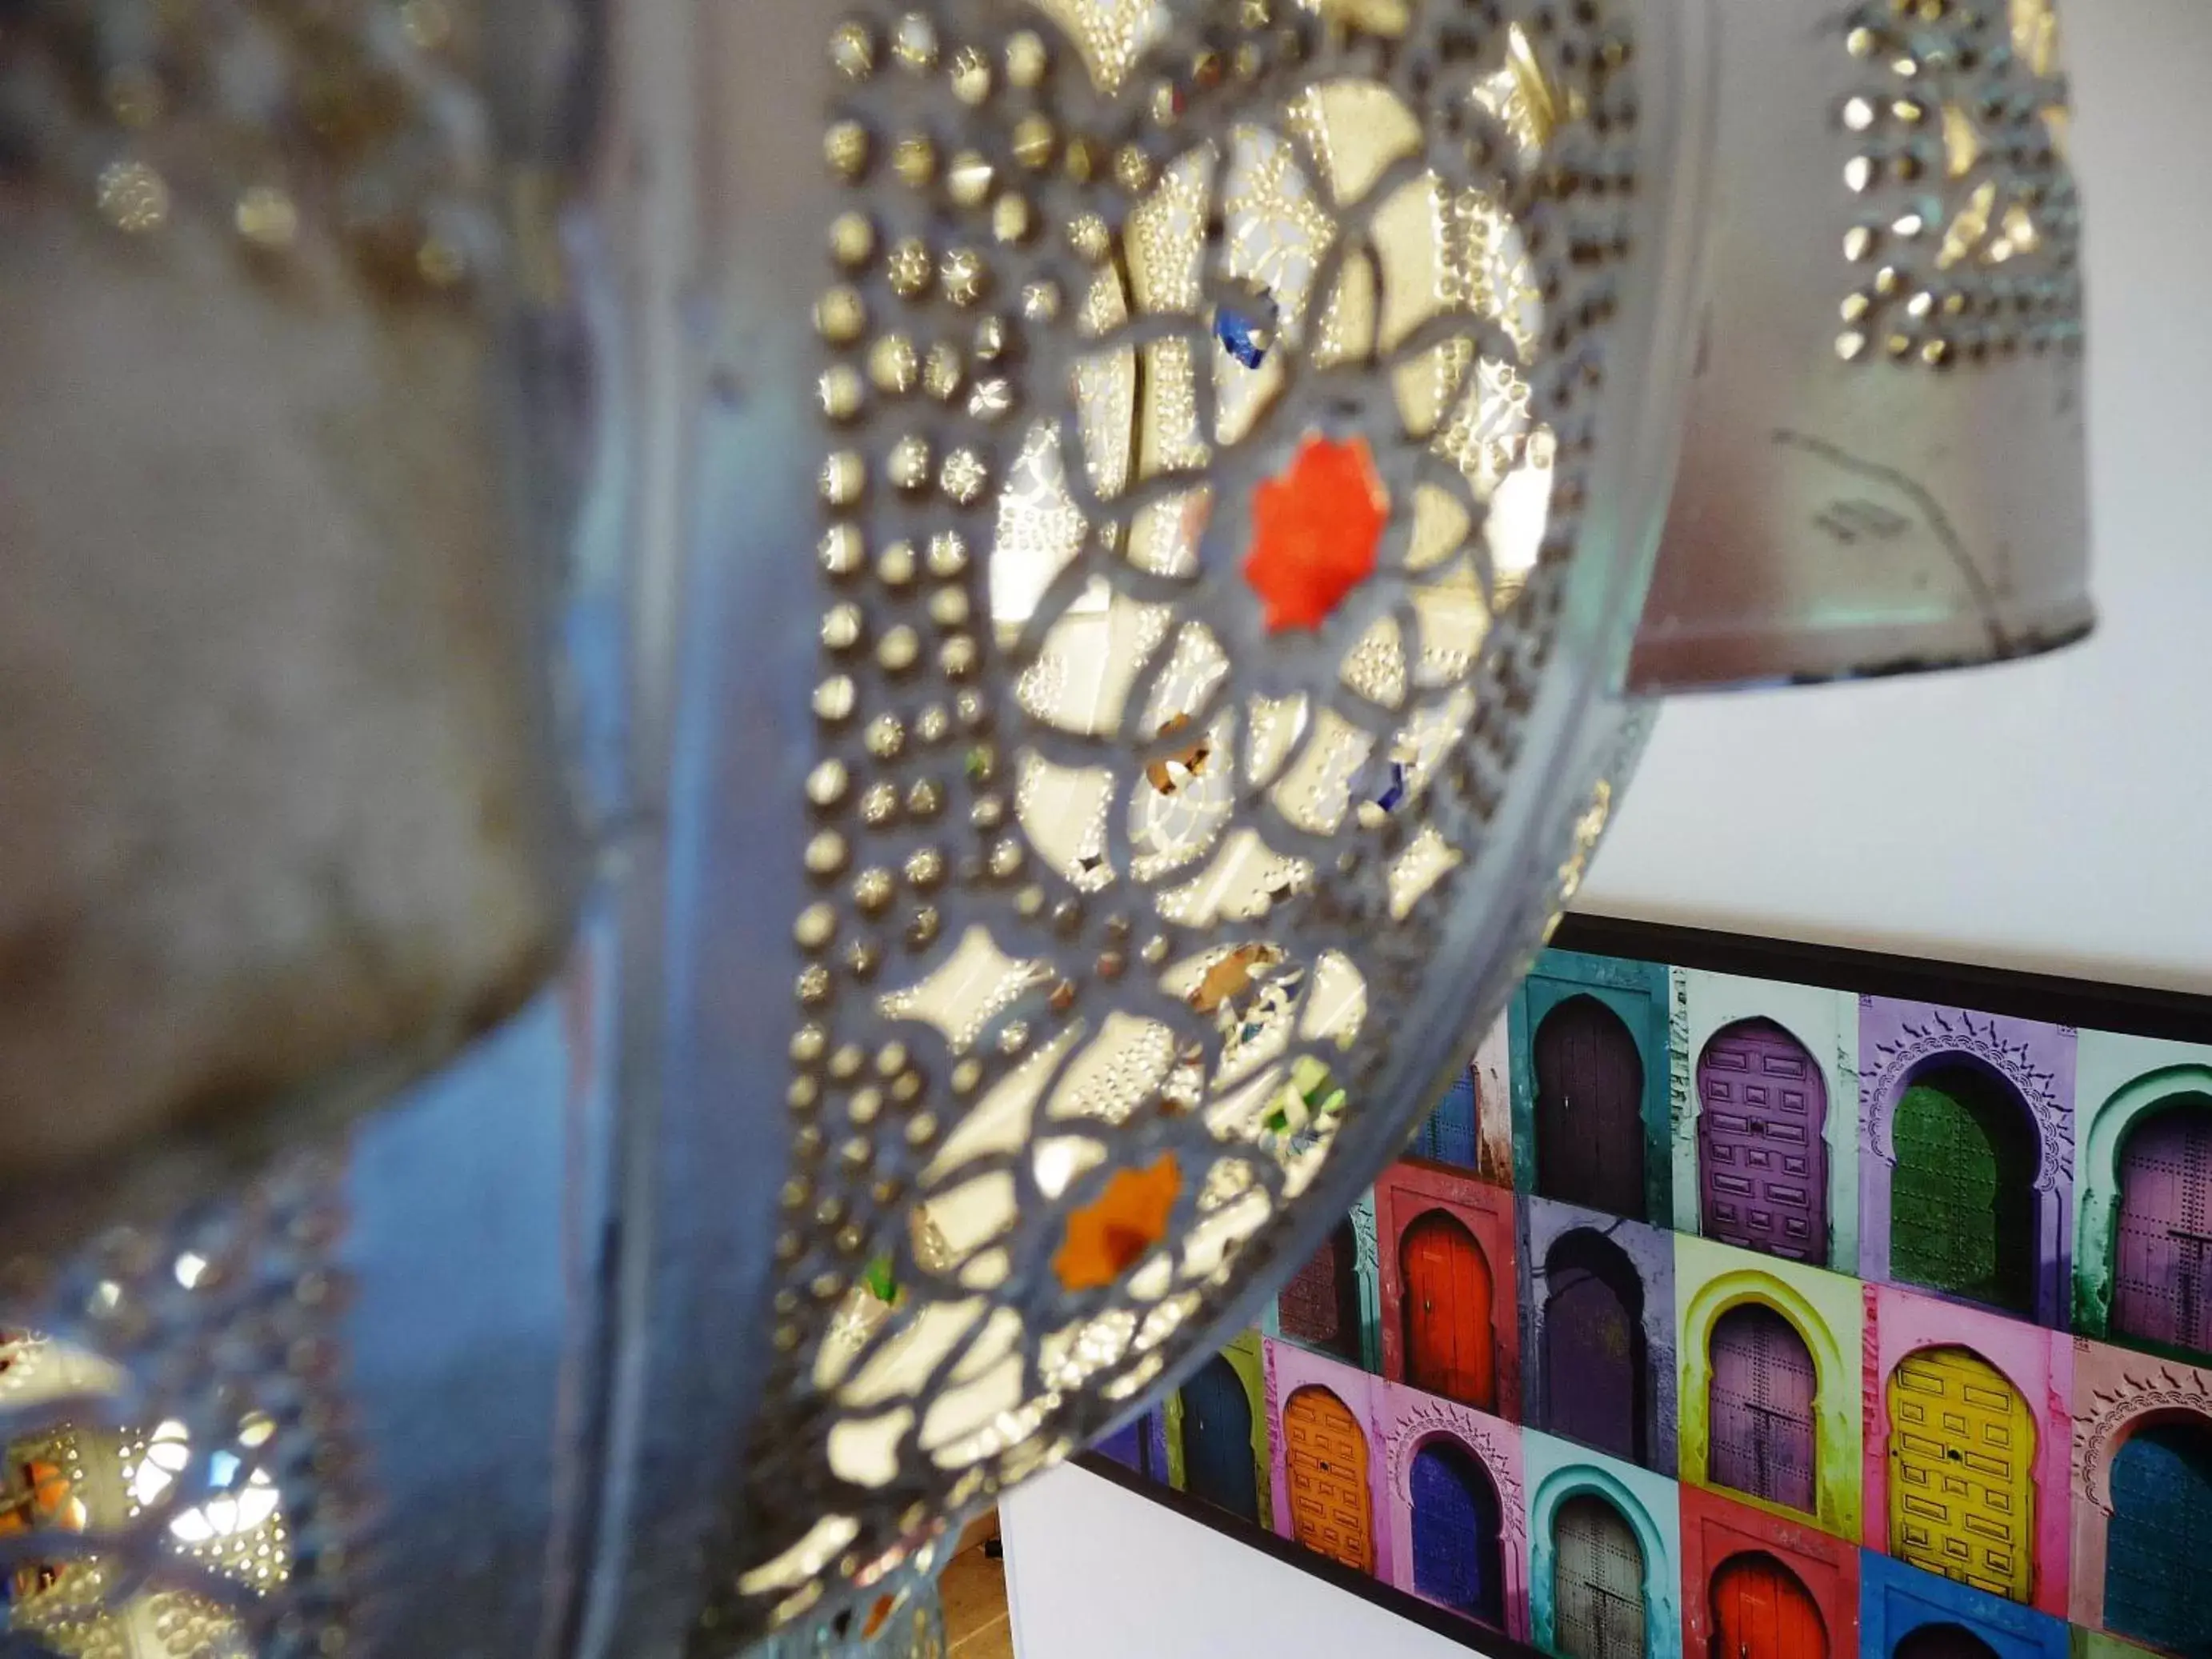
(1761, 1610)
(1325, 1469)
(1451, 1345)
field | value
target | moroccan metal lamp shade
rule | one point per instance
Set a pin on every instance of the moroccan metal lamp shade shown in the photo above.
(1090, 555)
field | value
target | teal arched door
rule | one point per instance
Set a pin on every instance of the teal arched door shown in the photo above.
(1218, 1463)
(2160, 1540)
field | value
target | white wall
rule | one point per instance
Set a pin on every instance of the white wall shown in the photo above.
(2056, 814)
(1096, 1572)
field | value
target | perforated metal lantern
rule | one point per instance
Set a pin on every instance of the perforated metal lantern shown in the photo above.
(1098, 550)
(1883, 467)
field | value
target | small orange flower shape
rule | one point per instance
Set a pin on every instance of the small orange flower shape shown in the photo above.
(1316, 528)
(1105, 1239)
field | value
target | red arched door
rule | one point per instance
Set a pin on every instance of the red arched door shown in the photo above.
(2162, 1245)
(1450, 1342)
(1325, 1467)
(1761, 1611)
(1761, 1414)
(1589, 1110)
(1762, 1165)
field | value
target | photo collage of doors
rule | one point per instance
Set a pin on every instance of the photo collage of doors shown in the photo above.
(1714, 1316)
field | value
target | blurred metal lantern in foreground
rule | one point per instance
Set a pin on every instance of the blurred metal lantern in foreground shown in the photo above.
(281, 824)
(1090, 549)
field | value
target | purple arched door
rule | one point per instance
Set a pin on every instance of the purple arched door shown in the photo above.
(1593, 1353)
(1762, 1165)
(1762, 1407)
(2162, 1245)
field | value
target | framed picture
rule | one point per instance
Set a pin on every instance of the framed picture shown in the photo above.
(1751, 1300)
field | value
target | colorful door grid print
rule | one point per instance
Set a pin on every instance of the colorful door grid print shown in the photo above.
(1962, 1200)
(1597, 1594)
(1325, 1461)
(1589, 1103)
(1761, 1413)
(1942, 1642)
(1458, 1558)
(1321, 1304)
(1218, 1463)
(1914, 1379)
(1762, 1163)
(1594, 1365)
(1762, 1610)
(1962, 1472)
(1451, 1343)
(2162, 1241)
(2158, 1553)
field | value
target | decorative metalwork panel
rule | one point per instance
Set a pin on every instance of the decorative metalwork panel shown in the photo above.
(1969, 244)
(196, 1494)
(1210, 398)
(1228, 508)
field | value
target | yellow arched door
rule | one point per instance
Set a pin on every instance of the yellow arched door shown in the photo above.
(1962, 1472)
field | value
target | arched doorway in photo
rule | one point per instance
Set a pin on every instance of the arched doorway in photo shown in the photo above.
(1325, 1469)
(1589, 1105)
(1458, 1558)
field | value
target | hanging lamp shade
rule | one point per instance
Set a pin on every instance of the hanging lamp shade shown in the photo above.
(1883, 467)
(1087, 552)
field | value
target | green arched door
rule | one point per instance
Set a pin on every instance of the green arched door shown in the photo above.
(1962, 1202)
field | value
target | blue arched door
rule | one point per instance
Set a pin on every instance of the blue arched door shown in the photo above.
(1448, 1133)
(1457, 1557)
(1131, 1446)
(1218, 1463)
(2162, 1538)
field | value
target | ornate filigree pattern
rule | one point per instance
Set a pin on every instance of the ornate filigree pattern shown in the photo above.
(1091, 880)
(178, 1483)
(155, 113)
(1969, 243)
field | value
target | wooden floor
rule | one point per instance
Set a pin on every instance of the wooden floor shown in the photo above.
(974, 1588)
